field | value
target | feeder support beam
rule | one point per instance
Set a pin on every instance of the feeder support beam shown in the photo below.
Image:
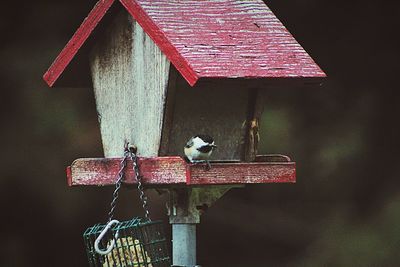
(187, 204)
(185, 207)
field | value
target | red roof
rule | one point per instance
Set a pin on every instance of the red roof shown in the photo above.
(207, 39)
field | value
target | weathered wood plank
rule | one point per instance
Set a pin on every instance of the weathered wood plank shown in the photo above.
(169, 109)
(76, 42)
(104, 171)
(170, 171)
(130, 78)
(243, 173)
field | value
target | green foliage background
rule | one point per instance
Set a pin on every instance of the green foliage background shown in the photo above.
(343, 211)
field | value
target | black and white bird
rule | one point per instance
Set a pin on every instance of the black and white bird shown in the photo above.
(199, 148)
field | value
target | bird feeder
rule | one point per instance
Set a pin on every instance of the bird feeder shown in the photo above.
(139, 243)
(163, 71)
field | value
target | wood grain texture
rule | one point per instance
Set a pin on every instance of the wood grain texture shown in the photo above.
(104, 171)
(130, 78)
(170, 171)
(76, 42)
(223, 39)
(243, 173)
(169, 108)
(208, 39)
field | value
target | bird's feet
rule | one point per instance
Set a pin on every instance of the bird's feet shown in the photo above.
(208, 164)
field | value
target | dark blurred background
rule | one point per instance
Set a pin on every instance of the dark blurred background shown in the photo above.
(344, 209)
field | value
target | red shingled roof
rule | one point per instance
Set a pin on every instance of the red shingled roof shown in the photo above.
(207, 39)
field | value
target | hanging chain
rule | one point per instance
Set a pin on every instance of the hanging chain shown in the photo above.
(118, 184)
(143, 197)
(129, 152)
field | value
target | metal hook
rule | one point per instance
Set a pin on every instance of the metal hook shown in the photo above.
(98, 239)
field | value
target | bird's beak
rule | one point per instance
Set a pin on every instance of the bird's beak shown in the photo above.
(214, 146)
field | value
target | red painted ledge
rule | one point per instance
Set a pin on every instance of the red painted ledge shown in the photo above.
(169, 171)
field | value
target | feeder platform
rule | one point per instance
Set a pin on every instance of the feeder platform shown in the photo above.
(175, 171)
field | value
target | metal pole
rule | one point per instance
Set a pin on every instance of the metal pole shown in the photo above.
(184, 244)
(184, 208)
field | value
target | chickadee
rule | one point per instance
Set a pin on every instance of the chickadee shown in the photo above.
(199, 148)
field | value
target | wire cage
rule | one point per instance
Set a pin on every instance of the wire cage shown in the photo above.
(140, 243)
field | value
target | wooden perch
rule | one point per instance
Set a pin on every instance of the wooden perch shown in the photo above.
(164, 171)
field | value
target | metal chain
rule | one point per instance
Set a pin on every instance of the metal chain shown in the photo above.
(118, 184)
(129, 153)
(143, 197)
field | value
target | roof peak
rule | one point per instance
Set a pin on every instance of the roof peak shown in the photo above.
(207, 39)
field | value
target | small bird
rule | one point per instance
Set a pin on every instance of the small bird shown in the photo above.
(199, 148)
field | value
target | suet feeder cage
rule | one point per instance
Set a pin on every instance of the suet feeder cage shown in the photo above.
(139, 244)
(163, 71)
